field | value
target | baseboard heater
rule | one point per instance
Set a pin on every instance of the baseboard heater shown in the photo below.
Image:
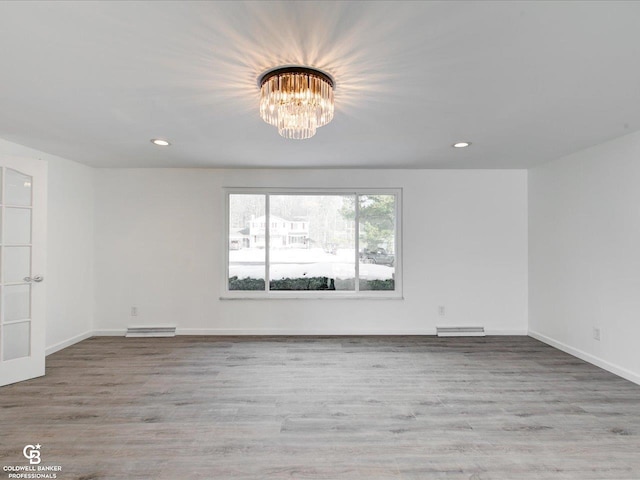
(150, 331)
(460, 331)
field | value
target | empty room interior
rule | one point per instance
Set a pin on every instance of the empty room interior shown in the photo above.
(320, 240)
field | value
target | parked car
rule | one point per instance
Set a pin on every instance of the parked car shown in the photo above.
(379, 256)
(331, 248)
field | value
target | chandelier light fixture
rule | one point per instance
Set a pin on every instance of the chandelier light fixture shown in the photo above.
(297, 100)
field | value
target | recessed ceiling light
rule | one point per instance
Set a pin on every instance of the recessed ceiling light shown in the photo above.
(160, 142)
(461, 144)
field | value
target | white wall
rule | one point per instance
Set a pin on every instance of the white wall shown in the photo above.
(584, 254)
(160, 247)
(69, 274)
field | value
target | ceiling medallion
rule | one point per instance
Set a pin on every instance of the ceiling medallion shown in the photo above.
(297, 100)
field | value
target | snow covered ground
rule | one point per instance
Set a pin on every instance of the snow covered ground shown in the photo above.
(299, 263)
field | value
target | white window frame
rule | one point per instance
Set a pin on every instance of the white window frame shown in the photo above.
(314, 294)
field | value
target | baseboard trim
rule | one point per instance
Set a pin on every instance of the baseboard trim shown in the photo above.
(516, 333)
(296, 332)
(587, 357)
(67, 343)
(115, 332)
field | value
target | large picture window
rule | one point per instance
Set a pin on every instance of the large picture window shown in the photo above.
(333, 243)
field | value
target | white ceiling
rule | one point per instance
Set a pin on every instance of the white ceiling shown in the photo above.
(526, 82)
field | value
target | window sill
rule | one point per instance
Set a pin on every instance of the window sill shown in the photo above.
(311, 296)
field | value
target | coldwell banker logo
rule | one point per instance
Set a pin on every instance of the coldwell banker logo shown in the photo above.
(33, 453)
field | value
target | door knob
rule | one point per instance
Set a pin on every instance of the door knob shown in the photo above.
(35, 278)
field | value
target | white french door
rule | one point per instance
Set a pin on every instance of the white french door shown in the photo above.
(23, 205)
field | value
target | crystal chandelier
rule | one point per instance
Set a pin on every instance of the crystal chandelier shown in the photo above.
(297, 100)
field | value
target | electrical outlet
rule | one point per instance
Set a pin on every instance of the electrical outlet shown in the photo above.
(441, 310)
(596, 333)
(134, 311)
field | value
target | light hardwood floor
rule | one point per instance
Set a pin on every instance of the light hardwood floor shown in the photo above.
(323, 408)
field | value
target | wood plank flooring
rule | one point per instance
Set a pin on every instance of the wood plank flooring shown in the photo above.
(323, 408)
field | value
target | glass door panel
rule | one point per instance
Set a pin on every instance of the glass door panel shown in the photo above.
(17, 188)
(16, 341)
(17, 302)
(17, 226)
(17, 264)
